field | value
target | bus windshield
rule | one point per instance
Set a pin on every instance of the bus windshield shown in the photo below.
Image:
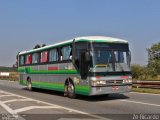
(110, 60)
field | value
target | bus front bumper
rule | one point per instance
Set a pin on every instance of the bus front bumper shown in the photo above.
(110, 89)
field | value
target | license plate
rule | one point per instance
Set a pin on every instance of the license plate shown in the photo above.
(115, 88)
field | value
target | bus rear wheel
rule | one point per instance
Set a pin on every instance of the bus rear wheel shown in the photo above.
(29, 84)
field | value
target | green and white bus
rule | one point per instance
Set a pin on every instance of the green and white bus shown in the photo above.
(92, 65)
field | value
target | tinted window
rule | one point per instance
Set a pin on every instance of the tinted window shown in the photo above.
(44, 57)
(53, 55)
(28, 59)
(35, 58)
(79, 49)
(66, 53)
(111, 46)
(21, 60)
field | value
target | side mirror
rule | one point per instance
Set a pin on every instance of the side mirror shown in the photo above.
(129, 56)
(87, 56)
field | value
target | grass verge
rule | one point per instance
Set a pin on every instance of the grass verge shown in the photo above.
(13, 77)
(146, 90)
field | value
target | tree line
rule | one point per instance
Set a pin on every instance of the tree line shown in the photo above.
(152, 69)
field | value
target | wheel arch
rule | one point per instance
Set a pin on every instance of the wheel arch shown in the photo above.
(69, 79)
(29, 79)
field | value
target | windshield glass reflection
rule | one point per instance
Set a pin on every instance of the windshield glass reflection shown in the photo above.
(109, 60)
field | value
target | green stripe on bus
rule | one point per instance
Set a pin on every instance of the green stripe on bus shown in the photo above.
(101, 41)
(21, 69)
(53, 72)
(84, 90)
(29, 70)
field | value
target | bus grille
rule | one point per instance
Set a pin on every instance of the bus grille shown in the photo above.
(114, 82)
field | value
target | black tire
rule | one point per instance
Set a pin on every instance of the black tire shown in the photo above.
(65, 90)
(29, 85)
(71, 90)
(107, 95)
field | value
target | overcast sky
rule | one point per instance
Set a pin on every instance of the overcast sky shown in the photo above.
(25, 23)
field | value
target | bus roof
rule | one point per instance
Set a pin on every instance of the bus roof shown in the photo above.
(79, 39)
(100, 39)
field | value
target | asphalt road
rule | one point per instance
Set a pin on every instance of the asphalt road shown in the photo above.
(45, 104)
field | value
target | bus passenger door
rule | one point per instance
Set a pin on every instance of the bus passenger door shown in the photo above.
(83, 66)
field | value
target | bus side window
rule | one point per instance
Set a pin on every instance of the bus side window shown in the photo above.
(28, 59)
(21, 60)
(44, 57)
(35, 58)
(66, 53)
(53, 55)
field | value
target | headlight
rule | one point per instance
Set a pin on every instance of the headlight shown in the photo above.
(127, 81)
(98, 83)
(130, 80)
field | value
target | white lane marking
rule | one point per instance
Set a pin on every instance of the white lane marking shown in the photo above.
(65, 108)
(16, 100)
(157, 105)
(145, 93)
(8, 109)
(11, 81)
(6, 95)
(33, 107)
(75, 119)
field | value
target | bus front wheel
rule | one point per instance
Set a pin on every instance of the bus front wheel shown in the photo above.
(69, 90)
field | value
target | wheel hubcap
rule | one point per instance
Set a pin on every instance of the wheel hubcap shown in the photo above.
(70, 88)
